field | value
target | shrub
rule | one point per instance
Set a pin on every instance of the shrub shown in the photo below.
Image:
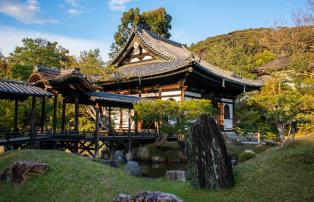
(260, 148)
(246, 155)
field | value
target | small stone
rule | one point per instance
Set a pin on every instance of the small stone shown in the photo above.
(129, 156)
(20, 171)
(176, 175)
(158, 159)
(119, 157)
(156, 197)
(147, 197)
(234, 162)
(123, 198)
(132, 168)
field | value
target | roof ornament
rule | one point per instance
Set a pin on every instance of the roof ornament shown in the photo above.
(244, 88)
(139, 80)
(191, 57)
(136, 49)
(223, 83)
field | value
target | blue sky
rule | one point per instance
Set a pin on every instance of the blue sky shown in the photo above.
(87, 24)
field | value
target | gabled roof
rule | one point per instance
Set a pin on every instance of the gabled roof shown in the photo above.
(173, 56)
(280, 62)
(47, 77)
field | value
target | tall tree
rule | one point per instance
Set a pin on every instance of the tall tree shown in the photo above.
(36, 52)
(286, 103)
(157, 20)
(90, 62)
(4, 70)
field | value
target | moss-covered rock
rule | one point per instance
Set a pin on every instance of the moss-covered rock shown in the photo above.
(246, 155)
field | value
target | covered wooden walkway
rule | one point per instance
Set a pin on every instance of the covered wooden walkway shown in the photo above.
(75, 89)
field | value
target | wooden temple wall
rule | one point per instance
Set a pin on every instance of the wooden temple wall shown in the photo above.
(173, 92)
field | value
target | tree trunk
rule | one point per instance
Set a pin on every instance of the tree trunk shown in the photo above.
(281, 131)
(209, 164)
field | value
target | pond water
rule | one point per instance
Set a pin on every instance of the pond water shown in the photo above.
(158, 170)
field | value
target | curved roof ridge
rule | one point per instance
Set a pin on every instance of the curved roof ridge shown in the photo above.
(159, 49)
(227, 75)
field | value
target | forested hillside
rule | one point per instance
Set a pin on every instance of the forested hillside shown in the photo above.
(242, 51)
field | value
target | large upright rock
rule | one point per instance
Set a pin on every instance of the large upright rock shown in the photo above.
(209, 165)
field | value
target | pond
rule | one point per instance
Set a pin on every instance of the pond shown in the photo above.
(158, 170)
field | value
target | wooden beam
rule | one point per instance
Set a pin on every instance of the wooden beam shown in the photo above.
(76, 115)
(54, 122)
(63, 115)
(33, 125)
(43, 114)
(16, 108)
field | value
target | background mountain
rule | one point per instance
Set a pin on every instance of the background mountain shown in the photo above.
(244, 50)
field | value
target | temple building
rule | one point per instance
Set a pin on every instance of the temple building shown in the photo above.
(154, 67)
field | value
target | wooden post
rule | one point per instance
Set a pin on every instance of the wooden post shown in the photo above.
(136, 122)
(97, 132)
(54, 122)
(76, 115)
(63, 115)
(43, 115)
(16, 115)
(221, 115)
(33, 125)
(233, 112)
(129, 130)
(109, 120)
(183, 89)
(121, 119)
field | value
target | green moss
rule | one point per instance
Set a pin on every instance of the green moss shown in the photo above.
(246, 156)
(278, 174)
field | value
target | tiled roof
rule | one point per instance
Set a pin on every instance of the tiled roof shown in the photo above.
(173, 56)
(47, 73)
(20, 88)
(147, 69)
(280, 62)
(102, 96)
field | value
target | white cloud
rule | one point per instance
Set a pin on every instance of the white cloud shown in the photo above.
(118, 5)
(73, 3)
(24, 12)
(75, 7)
(11, 37)
(73, 11)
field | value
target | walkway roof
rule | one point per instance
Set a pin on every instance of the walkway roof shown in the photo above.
(19, 90)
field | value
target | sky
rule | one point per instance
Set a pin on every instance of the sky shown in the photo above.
(87, 24)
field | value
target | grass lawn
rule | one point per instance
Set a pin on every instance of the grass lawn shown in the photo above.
(278, 174)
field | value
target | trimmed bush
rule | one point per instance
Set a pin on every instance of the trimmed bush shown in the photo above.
(260, 148)
(246, 155)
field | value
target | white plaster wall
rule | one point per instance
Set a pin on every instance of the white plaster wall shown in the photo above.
(228, 123)
(168, 93)
(176, 98)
